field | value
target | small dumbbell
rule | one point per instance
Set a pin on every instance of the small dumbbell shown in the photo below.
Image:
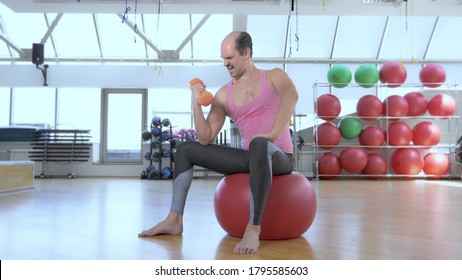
(205, 97)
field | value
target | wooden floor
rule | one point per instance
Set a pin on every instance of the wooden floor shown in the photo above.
(99, 218)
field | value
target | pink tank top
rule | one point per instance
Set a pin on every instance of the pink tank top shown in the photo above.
(258, 116)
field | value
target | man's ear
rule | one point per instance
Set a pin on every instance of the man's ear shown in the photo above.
(247, 53)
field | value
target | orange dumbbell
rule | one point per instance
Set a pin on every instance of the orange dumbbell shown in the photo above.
(205, 97)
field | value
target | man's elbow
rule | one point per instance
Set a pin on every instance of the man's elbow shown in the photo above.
(294, 96)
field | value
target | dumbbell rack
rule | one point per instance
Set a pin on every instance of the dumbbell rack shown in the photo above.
(158, 150)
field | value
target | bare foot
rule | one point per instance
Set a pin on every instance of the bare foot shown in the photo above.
(250, 241)
(172, 225)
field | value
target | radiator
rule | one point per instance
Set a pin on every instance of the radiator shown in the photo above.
(4, 155)
(19, 155)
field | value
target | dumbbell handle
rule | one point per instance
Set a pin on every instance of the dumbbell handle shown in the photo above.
(203, 100)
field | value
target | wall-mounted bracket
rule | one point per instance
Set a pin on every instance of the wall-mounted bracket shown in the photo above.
(44, 72)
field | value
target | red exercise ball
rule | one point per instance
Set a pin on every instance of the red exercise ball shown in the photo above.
(328, 164)
(432, 75)
(395, 106)
(353, 159)
(327, 135)
(407, 161)
(393, 73)
(289, 210)
(399, 134)
(441, 105)
(327, 107)
(369, 107)
(426, 134)
(436, 164)
(371, 136)
(417, 103)
(376, 166)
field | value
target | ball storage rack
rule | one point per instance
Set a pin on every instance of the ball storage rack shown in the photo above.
(449, 144)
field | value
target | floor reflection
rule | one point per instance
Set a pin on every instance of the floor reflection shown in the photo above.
(269, 250)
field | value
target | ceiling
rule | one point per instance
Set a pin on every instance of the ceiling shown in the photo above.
(241, 7)
(83, 31)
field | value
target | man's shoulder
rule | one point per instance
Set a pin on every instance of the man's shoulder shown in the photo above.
(223, 88)
(275, 71)
(222, 93)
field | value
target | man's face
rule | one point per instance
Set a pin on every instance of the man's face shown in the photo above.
(232, 60)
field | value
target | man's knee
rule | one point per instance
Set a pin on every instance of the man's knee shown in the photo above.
(185, 147)
(258, 143)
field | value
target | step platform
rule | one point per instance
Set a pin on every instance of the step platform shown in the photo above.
(16, 176)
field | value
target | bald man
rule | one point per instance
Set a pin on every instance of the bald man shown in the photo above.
(260, 103)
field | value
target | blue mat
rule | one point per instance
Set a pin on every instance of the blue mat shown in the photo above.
(16, 133)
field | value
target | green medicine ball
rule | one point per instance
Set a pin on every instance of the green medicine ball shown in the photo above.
(350, 127)
(339, 76)
(367, 75)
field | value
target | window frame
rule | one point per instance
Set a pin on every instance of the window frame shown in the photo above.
(104, 159)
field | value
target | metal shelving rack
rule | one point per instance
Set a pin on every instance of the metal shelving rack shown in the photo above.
(60, 146)
(450, 132)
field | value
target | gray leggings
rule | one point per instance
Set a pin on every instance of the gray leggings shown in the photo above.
(262, 161)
